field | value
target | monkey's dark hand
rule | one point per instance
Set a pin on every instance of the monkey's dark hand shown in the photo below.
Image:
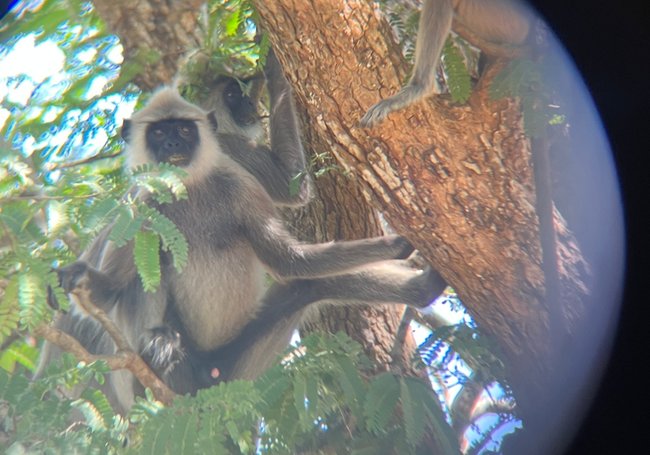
(275, 80)
(402, 247)
(73, 276)
(161, 349)
(430, 285)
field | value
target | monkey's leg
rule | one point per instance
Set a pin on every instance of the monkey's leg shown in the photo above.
(389, 282)
(434, 26)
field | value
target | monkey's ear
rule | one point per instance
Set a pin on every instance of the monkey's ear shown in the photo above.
(125, 132)
(212, 118)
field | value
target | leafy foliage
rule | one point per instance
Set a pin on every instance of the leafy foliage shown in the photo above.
(35, 421)
(230, 47)
(458, 78)
(523, 79)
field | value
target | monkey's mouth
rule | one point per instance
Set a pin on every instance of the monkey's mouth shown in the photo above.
(178, 159)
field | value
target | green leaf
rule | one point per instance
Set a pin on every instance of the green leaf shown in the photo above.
(381, 399)
(125, 226)
(423, 397)
(31, 298)
(9, 310)
(350, 382)
(99, 214)
(413, 413)
(273, 385)
(458, 77)
(146, 254)
(172, 239)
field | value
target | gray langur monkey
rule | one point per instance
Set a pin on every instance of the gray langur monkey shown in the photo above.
(493, 21)
(218, 307)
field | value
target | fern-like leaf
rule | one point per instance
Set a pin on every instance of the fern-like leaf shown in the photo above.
(172, 239)
(9, 310)
(31, 298)
(146, 254)
(273, 385)
(126, 225)
(458, 77)
(380, 403)
(98, 215)
(350, 382)
(427, 405)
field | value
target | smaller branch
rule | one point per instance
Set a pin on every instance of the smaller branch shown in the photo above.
(82, 292)
(122, 360)
(15, 335)
(42, 197)
(88, 160)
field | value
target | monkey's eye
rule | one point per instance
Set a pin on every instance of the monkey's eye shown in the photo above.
(184, 131)
(158, 133)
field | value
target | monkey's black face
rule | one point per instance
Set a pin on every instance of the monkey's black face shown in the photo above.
(173, 141)
(241, 107)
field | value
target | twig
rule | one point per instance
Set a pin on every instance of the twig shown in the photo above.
(15, 335)
(124, 358)
(88, 160)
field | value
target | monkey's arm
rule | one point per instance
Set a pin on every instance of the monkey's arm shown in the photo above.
(103, 269)
(286, 258)
(286, 185)
(280, 169)
(434, 26)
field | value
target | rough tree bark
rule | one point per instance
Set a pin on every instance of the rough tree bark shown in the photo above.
(456, 180)
(156, 33)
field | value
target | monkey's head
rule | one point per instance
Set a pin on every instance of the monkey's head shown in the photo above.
(235, 110)
(171, 130)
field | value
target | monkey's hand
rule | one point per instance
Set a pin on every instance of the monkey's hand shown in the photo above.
(402, 246)
(276, 82)
(405, 97)
(73, 276)
(161, 349)
(429, 286)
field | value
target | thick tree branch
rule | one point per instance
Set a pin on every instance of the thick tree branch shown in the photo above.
(456, 180)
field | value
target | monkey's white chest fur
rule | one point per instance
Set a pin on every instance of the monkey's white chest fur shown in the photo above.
(216, 298)
(220, 288)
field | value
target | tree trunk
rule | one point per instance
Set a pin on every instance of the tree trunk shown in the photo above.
(154, 34)
(456, 180)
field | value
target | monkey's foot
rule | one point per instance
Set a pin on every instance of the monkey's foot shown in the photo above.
(161, 349)
(432, 285)
(405, 97)
(402, 246)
